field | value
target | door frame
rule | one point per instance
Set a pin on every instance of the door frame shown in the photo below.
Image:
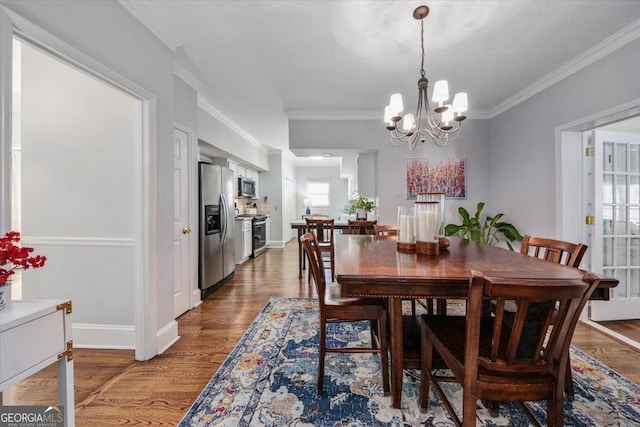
(569, 156)
(145, 208)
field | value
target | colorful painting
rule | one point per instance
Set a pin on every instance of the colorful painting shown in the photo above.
(436, 175)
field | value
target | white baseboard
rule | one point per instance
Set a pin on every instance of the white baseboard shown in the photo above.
(167, 336)
(277, 244)
(120, 337)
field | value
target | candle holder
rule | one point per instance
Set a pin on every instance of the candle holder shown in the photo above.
(443, 242)
(406, 233)
(426, 227)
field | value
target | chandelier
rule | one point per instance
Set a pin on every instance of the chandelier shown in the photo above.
(444, 127)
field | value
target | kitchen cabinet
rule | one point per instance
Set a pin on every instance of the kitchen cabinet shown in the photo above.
(243, 239)
(246, 172)
(362, 180)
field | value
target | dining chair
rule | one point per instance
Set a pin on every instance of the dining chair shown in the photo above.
(560, 252)
(324, 231)
(553, 250)
(386, 230)
(504, 358)
(361, 227)
(335, 309)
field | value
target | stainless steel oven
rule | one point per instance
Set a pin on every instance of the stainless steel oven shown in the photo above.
(259, 232)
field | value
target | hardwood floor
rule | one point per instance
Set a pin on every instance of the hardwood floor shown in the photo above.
(113, 389)
(628, 328)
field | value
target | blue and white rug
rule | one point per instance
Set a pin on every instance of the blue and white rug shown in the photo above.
(269, 379)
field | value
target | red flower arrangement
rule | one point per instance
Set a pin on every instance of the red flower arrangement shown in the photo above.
(16, 257)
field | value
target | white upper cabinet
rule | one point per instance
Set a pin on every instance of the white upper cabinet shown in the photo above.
(367, 175)
(362, 180)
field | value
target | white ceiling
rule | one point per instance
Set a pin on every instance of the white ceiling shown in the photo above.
(261, 62)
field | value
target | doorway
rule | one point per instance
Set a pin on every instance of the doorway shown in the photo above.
(76, 139)
(141, 333)
(601, 154)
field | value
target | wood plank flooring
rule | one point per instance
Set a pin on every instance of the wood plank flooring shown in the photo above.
(113, 389)
(628, 328)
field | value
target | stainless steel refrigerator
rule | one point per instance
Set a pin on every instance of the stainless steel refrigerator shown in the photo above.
(217, 216)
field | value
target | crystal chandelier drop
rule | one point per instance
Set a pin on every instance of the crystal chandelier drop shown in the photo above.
(442, 125)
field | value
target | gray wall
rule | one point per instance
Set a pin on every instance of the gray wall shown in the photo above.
(338, 195)
(370, 135)
(185, 104)
(271, 187)
(522, 140)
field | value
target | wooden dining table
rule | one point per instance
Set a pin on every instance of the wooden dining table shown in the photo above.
(372, 266)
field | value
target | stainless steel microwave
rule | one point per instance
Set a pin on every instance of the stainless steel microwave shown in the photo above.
(246, 187)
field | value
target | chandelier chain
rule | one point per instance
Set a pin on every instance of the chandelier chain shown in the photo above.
(422, 45)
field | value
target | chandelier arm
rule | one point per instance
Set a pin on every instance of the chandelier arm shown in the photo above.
(399, 139)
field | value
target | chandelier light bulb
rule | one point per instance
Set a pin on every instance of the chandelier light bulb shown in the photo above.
(440, 92)
(447, 115)
(387, 114)
(407, 122)
(396, 104)
(460, 102)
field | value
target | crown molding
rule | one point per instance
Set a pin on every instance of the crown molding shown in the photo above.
(355, 115)
(150, 19)
(334, 115)
(206, 106)
(609, 45)
(187, 76)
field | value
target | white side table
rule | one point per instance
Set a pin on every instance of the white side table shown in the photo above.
(33, 335)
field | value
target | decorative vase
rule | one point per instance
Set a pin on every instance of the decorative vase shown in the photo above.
(361, 214)
(5, 296)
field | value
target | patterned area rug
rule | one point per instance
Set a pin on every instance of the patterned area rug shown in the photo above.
(269, 379)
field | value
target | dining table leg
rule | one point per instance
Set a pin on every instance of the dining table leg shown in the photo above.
(299, 254)
(397, 357)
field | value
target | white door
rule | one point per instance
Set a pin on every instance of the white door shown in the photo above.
(181, 224)
(615, 247)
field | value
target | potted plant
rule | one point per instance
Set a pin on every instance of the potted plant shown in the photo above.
(491, 231)
(361, 207)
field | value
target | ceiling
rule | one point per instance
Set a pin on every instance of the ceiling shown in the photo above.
(259, 63)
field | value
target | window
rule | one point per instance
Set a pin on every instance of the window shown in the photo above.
(318, 193)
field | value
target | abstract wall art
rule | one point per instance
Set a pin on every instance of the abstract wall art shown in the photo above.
(436, 175)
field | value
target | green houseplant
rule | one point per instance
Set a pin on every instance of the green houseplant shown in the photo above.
(491, 231)
(363, 204)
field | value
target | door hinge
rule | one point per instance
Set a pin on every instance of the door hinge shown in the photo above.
(68, 352)
(590, 220)
(590, 152)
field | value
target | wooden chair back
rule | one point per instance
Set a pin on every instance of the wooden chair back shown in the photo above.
(522, 357)
(316, 267)
(361, 227)
(322, 228)
(553, 250)
(386, 230)
(519, 344)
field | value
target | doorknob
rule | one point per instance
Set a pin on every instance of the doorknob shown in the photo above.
(186, 230)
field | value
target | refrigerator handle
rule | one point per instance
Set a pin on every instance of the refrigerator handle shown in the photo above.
(224, 218)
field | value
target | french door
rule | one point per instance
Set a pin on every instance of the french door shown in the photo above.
(616, 227)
